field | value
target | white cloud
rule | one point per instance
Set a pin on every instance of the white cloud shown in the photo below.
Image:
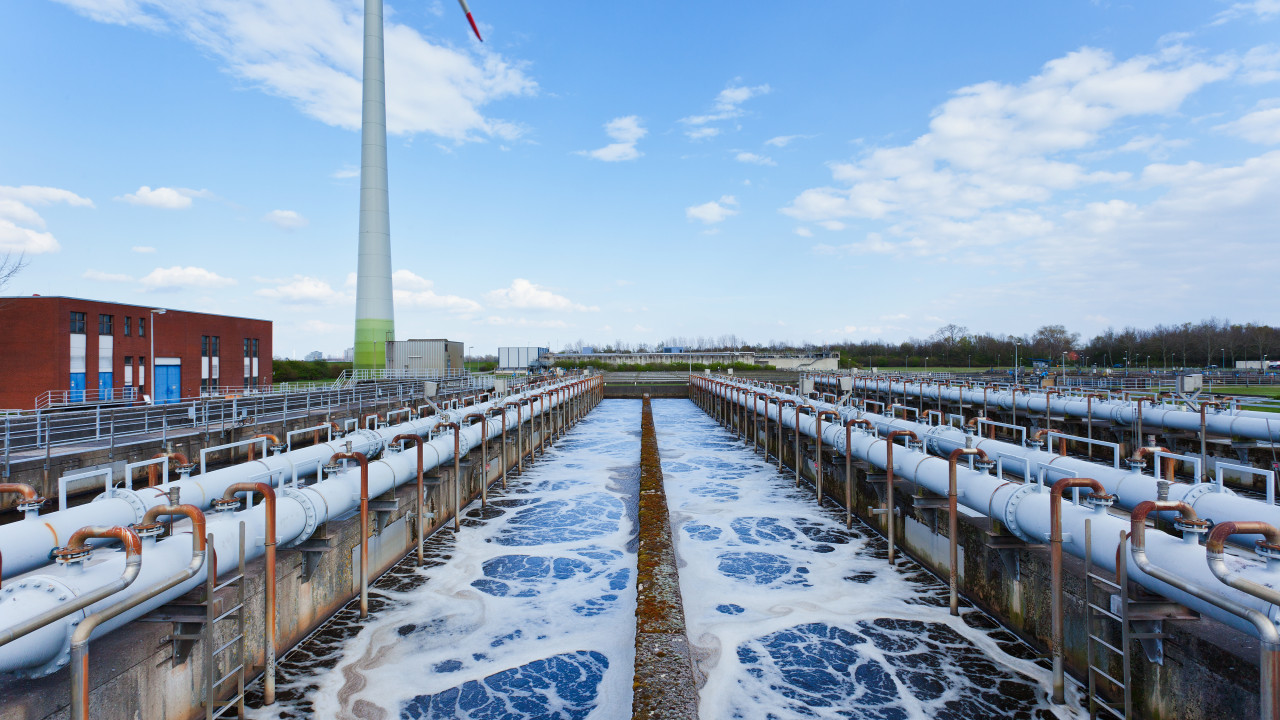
(1261, 65)
(181, 278)
(346, 172)
(414, 291)
(311, 54)
(300, 289)
(524, 295)
(142, 249)
(727, 106)
(996, 146)
(106, 277)
(524, 322)
(626, 131)
(164, 197)
(713, 212)
(1260, 9)
(783, 140)
(286, 219)
(22, 229)
(1260, 126)
(804, 232)
(754, 159)
(832, 225)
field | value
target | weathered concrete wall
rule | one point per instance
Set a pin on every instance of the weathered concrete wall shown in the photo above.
(131, 673)
(664, 677)
(638, 392)
(1209, 670)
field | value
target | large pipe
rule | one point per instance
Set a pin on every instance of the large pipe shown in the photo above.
(1124, 413)
(80, 638)
(416, 441)
(888, 496)
(1264, 626)
(1024, 510)
(364, 524)
(953, 524)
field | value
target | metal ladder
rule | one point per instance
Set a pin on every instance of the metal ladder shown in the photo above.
(1096, 616)
(230, 654)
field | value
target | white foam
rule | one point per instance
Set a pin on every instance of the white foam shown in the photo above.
(727, 503)
(565, 600)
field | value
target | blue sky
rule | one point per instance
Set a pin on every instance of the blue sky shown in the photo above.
(597, 171)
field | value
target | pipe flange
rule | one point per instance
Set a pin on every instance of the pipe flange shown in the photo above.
(1267, 550)
(32, 505)
(41, 591)
(309, 511)
(225, 505)
(1192, 527)
(148, 530)
(1201, 489)
(72, 556)
(1010, 511)
(184, 471)
(1099, 500)
(129, 496)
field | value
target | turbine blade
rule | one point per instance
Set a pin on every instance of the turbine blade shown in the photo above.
(470, 19)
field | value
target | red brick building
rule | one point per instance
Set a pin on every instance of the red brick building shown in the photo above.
(91, 351)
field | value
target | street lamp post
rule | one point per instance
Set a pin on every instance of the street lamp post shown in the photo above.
(1223, 366)
(152, 371)
(1017, 370)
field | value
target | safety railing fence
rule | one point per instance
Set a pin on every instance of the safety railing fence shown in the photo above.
(108, 425)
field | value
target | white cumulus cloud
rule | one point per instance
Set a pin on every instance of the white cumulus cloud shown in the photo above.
(754, 159)
(300, 289)
(164, 197)
(713, 212)
(106, 276)
(22, 229)
(180, 278)
(414, 291)
(727, 106)
(625, 132)
(143, 249)
(525, 295)
(286, 219)
(1260, 126)
(310, 53)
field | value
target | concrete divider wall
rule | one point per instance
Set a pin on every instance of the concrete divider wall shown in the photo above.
(131, 673)
(1209, 671)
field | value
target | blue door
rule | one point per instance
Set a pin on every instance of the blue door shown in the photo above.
(104, 386)
(168, 383)
(77, 388)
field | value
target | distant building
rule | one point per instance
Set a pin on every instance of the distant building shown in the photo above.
(520, 359)
(63, 350)
(420, 355)
(676, 356)
(314, 355)
(349, 355)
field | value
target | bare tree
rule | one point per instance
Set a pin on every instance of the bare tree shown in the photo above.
(10, 266)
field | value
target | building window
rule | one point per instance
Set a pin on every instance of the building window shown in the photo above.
(204, 346)
(204, 385)
(77, 323)
(105, 324)
(246, 347)
(142, 327)
(126, 326)
(214, 347)
(255, 347)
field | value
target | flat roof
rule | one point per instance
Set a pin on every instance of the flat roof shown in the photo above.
(131, 305)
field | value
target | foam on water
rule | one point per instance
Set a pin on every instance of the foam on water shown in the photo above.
(528, 612)
(792, 616)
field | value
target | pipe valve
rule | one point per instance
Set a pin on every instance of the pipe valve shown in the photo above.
(331, 468)
(1099, 501)
(73, 555)
(1266, 550)
(1191, 529)
(148, 530)
(184, 471)
(222, 505)
(32, 505)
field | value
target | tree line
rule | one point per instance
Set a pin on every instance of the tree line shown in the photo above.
(1208, 343)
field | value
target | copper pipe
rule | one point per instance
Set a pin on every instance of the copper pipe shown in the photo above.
(519, 441)
(1270, 544)
(75, 546)
(153, 471)
(1055, 591)
(80, 637)
(1269, 661)
(799, 459)
(783, 402)
(503, 464)
(1047, 407)
(953, 521)
(457, 475)
(1169, 464)
(484, 456)
(888, 488)
(416, 441)
(1204, 450)
(252, 447)
(817, 463)
(364, 524)
(848, 467)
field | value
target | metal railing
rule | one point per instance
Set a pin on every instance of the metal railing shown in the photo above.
(103, 425)
(351, 376)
